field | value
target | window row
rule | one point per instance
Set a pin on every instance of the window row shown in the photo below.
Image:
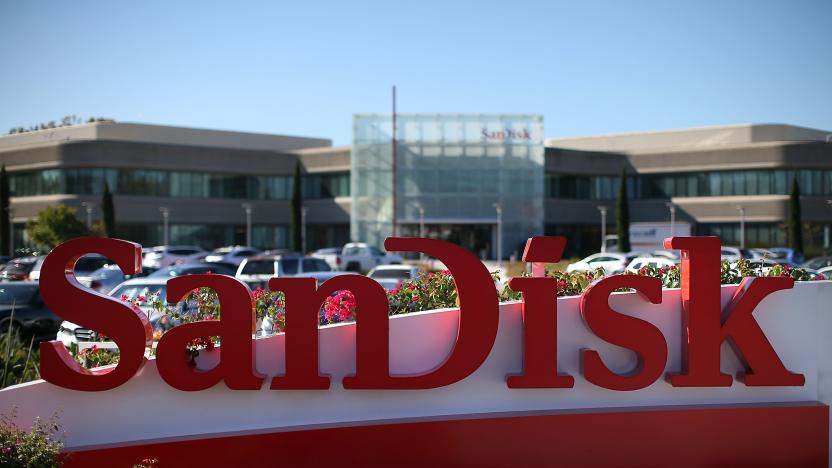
(695, 184)
(87, 181)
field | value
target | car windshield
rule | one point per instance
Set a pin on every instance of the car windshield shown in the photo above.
(390, 274)
(16, 294)
(133, 292)
(90, 263)
(260, 267)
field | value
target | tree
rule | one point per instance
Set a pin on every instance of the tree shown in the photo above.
(5, 207)
(795, 226)
(622, 214)
(295, 236)
(53, 225)
(108, 212)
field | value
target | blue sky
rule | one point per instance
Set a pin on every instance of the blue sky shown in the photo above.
(304, 68)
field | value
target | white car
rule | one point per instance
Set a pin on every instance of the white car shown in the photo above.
(256, 271)
(674, 255)
(657, 262)
(826, 272)
(391, 276)
(69, 333)
(166, 255)
(731, 254)
(331, 255)
(361, 257)
(612, 263)
(232, 255)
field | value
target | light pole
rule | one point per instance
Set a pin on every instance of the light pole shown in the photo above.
(88, 208)
(165, 218)
(303, 229)
(741, 210)
(499, 207)
(421, 227)
(826, 232)
(247, 207)
(672, 208)
(11, 232)
(603, 210)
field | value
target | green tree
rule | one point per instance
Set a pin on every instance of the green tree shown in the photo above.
(295, 236)
(795, 226)
(5, 206)
(53, 225)
(108, 212)
(622, 214)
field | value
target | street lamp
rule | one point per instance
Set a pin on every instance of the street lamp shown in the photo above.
(165, 218)
(88, 208)
(826, 232)
(672, 208)
(11, 232)
(247, 207)
(603, 210)
(303, 229)
(499, 207)
(421, 227)
(741, 210)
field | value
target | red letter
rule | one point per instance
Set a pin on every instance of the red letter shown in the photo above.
(478, 319)
(705, 330)
(235, 329)
(303, 307)
(640, 336)
(125, 323)
(540, 325)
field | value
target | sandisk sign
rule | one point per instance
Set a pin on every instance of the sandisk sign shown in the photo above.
(706, 325)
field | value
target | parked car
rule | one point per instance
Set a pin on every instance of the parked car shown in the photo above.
(109, 276)
(18, 269)
(611, 263)
(785, 254)
(31, 316)
(232, 255)
(69, 333)
(674, 255)
(391, 276)
(256, 271)
(818, 263)
(165, 255)
(84, 267)
(638, 263)
(331, 255)
(731, 254)
(193, 269)
(826, 272)
(361, 257)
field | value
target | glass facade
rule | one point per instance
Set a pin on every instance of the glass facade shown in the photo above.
(693, 184)
(90, 181)
(454, 167)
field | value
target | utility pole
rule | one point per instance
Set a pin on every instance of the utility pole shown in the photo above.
(88, 208)
(165, 218)
(603, 210)
(421, 228)
(741, 210)
(393, 164)
(247, 208)
(499, 207)
(672, 208)
(303, 230)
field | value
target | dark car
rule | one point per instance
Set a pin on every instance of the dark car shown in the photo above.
(19, 269)
(193, 269)
(31, 316)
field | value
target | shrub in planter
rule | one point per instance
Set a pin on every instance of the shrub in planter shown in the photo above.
(39, 446)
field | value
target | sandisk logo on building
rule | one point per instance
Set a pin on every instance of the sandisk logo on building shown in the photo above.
(505, 134)
(706, 324)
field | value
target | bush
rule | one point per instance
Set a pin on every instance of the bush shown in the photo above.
(36, 448)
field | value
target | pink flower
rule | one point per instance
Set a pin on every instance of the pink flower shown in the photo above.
(414, 298)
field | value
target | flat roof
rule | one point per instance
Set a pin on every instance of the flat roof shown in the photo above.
(160, 134)
(691, 138)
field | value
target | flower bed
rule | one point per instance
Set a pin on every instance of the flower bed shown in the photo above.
(429, 291)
